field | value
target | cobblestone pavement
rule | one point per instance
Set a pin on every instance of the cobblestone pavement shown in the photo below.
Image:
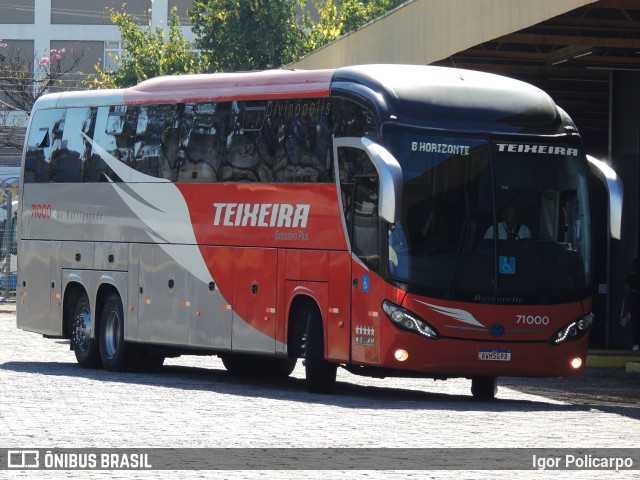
(49, 401)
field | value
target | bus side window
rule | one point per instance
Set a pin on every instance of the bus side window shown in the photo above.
(346, 171)
(295, 141)
(67, 162)
(200, 153)
(353, 120)
(242, 157)
(359, 194)
(153, 155)
(45, 138)
(302, 160)
(365, 221)
(115, 131)
(35, 168)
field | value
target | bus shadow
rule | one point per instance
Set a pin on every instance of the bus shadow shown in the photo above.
(601, 389)
(346, 395)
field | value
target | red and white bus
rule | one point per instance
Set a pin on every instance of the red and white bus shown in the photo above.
(341, 216)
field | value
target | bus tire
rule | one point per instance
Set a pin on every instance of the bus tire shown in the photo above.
(85, 347)
(320, 374)
(245, 364)
(117, 355)
(251, 365)
(484, 388)
(236, 364)
(283, 367)
(149, 361)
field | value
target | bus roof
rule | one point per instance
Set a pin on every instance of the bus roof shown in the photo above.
(269, 84)
(451, 97)
(424, 93)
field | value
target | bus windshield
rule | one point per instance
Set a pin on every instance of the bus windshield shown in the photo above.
(491, 219)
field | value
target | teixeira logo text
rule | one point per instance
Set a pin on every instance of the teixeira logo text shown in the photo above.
(279, 215)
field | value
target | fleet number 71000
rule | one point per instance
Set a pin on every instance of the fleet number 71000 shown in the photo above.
(532, 320)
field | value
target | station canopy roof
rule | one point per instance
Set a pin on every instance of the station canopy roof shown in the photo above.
(566, 47)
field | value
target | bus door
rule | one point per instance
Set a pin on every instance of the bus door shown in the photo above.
(359, 189)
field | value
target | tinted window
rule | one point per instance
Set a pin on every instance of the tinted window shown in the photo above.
(67, 162)
(353, 120)
(203, 140)
(252, 141)
(115, 132)
(155, 147)
(44, 144)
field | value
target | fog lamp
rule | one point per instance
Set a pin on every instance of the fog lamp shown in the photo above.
(576, 363)
(401, 355)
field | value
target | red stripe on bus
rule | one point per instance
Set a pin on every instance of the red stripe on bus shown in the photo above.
(271, 85)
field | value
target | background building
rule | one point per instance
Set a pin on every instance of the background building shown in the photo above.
(76, 25)
(81, 28)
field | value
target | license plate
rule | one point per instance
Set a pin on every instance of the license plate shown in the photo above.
(495, 355)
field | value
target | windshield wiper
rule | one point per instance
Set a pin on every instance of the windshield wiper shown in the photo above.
(453, 281)
(531, 268)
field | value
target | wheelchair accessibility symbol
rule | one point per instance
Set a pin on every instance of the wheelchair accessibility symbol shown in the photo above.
(508, 265)
(365, 283)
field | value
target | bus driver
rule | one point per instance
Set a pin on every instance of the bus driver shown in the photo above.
(510, 227)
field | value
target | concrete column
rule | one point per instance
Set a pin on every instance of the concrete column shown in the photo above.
(42, 31)
(160, 14)
(625, 159)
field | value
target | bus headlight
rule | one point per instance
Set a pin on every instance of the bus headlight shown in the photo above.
(409, 321)
(573, 331)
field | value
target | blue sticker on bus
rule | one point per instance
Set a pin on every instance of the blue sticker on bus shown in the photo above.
(508, 265)
(365, 283)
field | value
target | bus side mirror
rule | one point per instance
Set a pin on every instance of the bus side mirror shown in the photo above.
(614, 187)
(390, 174)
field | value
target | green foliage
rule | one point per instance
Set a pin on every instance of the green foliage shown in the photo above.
(147, 53)
(248, 34)
(233, 35)
(338, 17)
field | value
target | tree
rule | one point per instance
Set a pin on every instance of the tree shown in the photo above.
(248, 34)
(339, 17)
(25, 77)
(147, 53)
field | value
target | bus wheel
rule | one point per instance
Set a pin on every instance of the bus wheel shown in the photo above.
(243, 364)
(150, 362)
(484, 388)
(233, 364)
(283, 367)
(321, 375)
(85, 347)
(239, 364)
(115, 352)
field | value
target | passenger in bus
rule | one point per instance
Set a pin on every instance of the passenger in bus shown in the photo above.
(440, 229)
(65, 165)
(35, 166)
(510, 227)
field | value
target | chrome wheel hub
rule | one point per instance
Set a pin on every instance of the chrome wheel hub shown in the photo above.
(111, 338)
(81, 329)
